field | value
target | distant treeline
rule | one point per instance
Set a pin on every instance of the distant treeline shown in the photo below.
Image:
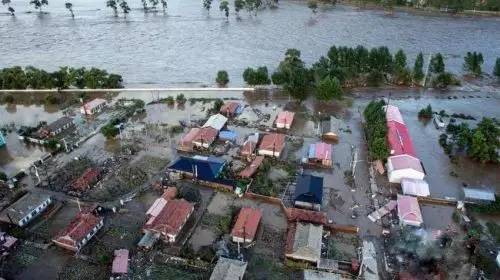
(447, 5)
(66, 77)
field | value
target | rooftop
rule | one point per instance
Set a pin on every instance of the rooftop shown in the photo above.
(247, 223)
(273, 142)
(23, 206)
(228, 269)
(60, 123)
(88, 177)
(399, 140)
(285, 117)
(207, 168)
(401, 162)
(479, 194)
(303, 215)
(409, 210)
(320, 151)
(304, 242)
(94, 103)
(78, 228)
(216, 121)
(250, 170)
(171, 218)
(392, 114)
(415, 187)
(309, 189)
(230, 108)
(120, 262)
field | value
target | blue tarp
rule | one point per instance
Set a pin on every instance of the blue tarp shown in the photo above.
(312, 151)
(239, 110)
(309, 188)
(227, 135)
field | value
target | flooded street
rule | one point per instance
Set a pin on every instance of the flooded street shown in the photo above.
(188, 46)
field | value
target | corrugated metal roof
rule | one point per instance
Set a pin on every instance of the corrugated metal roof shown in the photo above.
(228, 135)
(216, 121)
(228, 269)
(405, 162)
(247, 223)
(392, 114)
(399, 140)
(309, 189)
(415, 187)
(479, 194)
(409, 210)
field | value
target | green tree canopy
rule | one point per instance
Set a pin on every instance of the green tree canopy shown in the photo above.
(328, 89)
(437, 64)
(222, 78)
(496, 69)
(473, 62)
(418, 68)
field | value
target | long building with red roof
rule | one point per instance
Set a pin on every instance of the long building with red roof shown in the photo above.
(170, 220)
(399, 139)
(246, 225)
(272, 145)
(79, 231)
(86, 180)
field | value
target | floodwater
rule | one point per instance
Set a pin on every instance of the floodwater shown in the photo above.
(188, 45)
(17, 155)
(29, 115)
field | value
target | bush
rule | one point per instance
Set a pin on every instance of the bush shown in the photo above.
(328, 89)
(444, 79)
(180, 99)
(473, 62)
(8, 98)
(259, 76)
(3, 176)
(169, 100)
(110, 131)
(426, 112)
(51, 99)
(222, 78)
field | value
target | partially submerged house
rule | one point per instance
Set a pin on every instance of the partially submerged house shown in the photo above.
(205, 137)
(79, 231)
(409, 211)
(228, 269)
(186, 142)
(89, 177)
(399, 140)
(479, 195)
(404, 166)
(272, 145)
(303, 242)
(25, 209)
(252, 168)
(284, 119)
(415, 187)
(217, 121)
(250, 145)
(231, 109)
(309, 192)
(333, 133)
(93, 107)
(120, 262)
(246, 225)
(320, 154)
(57, 127)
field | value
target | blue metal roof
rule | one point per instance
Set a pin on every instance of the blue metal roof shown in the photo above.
(228, 135)
(207, 168)
(2, 140)
(309, 188)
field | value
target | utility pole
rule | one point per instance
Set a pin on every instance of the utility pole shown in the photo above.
(427, 69)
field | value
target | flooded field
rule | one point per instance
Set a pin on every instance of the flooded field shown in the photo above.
(149, 49)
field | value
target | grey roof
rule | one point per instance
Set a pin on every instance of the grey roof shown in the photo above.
(216, 121)
(59, 123)
(23, 206)
(228, 269)
(310, 274)
(479, 194)
(307, 242)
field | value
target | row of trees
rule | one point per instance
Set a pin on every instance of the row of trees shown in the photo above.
(481, 143)
(445, 5)
(33, 78)
(376, 130)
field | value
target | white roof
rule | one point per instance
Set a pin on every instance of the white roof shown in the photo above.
(94, 103)
(479, 194)
(415, 187)
(157, 206)
(216, 121)
(228, 269)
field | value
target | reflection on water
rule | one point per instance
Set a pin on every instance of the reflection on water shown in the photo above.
(188, 45)
(16, 155)
(28, 115)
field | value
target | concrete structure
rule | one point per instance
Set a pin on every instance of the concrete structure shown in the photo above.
(170, 220)
(415, 187)
(309, 192)
(404, 166)
(284, 119)
(25, 209)
(216, 121)
(228, 269)
(93, 107)
(272, 145)
(304, 242)
(57, 127)
(120, 262)
(409, 211)
(79, 231)
(246, 225)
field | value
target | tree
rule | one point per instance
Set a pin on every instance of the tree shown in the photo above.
(328, 89)
(313, 5)
(295, 77)
(110, 131)
(164, 5)
(39, 4)
(9, 8)
(222, 78)
(443, 80)
(425, 113)
(144, 5)
(479, 147)
(154, 3)
(113, 5)
(207, 4)
(259, 76)
(69, 6)
(180, 99)
(3, 176)
(418, 72)
(224, 7)
(437, 64)
(238, 6)
(400, 59)
(473, 62)
(496, 69)
(125, 7)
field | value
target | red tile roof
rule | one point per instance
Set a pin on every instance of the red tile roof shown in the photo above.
(247, 223)
(248, 148)
(273, 142)
(285, 118)
(302, 215)
(170, 193)
(171, 218)
(188, 138)
(206, 135)
(250, 170)
(229, 108)
(399, 139)
(86, 179)
(78, 228)
(409, 210)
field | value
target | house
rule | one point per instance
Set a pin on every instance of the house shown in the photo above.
(320, 154)
(399, 140)
(186, 142)
(57, 127)
(228, 269)
(93, 107)
(89, 177)
(309, 192)
(25, 209)
(250, 170)
(415, 187)
(404, 166)
(120, 262)
(205, 137)
(170, 220)
(169, 194)
(79, 231)
(479, 195)
(231, 109)
(272, 145)
(333, 133)
(250, 145)
(246, 225)
(216, 121)
(284, 119)
(303, 242)
(409, 211)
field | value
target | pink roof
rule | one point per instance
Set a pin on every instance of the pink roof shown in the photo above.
(405, 162)
(169, 193)
(120, 262)
(206, 135)
(252, 167)
(9, 241)
(274, 141)
(229, 107)
(399, 139)
(188, 138)
(247, 223)
(94, 103)
(172, 217)
(409, 210)
(285, 117)
(323, 151)
(248, 148)
(392, 114)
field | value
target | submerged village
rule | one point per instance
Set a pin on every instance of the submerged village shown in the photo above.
(369, 149)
